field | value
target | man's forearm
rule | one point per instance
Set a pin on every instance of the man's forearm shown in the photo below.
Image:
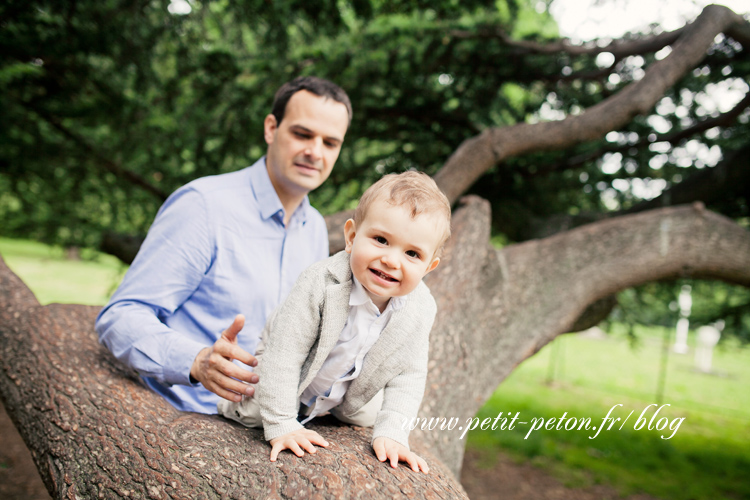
(136, 337)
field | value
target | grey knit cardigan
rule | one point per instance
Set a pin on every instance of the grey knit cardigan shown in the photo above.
(302, 332)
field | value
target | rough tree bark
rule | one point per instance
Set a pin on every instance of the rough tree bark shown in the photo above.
(96, 432)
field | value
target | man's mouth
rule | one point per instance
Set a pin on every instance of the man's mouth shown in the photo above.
(383, 275)
(306, 166)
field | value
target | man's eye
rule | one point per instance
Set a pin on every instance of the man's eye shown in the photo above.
(381, 240)
(302, 135)
(413, 254)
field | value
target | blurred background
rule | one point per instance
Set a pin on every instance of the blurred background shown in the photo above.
(109, 106)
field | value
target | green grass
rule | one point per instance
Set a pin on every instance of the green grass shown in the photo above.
(54, 278)
(707, 458)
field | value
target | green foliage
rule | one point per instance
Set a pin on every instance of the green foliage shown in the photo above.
(705, 459)
(655, 304)
(96, 94)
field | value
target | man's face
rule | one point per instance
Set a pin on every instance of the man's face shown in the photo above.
(391, 251)
(304, 146)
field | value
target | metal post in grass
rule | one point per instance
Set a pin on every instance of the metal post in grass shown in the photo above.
(663, 368)
(555, 359)
(685, 302)
(708, 337)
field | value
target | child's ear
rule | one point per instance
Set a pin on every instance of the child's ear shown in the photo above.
(349, 232)
(433, 265)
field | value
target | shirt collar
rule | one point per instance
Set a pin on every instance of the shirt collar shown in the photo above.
(359, 297)
(268, 201)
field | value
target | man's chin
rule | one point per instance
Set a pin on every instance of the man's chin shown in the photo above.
(306, 184)
(309, 180)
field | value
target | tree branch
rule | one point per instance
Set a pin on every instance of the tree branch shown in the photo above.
(476, 155)
(619, 48)
(105, 163)
(98, 431)
(95, 431)
(722, 120)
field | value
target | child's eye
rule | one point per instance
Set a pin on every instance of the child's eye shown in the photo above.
(381, 240)
(412, 253)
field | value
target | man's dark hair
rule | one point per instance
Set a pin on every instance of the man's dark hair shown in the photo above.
(318, 86)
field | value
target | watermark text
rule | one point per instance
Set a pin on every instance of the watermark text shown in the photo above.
(650, 418)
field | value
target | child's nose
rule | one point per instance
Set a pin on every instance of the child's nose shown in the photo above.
(390, 260)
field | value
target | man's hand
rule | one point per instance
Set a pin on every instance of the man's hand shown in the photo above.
(388, 449)
(295, 441)
(214, 369)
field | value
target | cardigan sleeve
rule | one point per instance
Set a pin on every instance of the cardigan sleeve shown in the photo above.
(288, 338)
(403, 394)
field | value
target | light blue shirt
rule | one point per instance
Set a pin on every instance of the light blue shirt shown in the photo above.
(217, 248)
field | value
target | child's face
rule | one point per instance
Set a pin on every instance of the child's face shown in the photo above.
(390, 251)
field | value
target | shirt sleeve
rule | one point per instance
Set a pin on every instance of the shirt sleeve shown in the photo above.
(169, 267)
(323, 244)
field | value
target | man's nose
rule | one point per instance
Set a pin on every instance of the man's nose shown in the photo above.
(314, 148)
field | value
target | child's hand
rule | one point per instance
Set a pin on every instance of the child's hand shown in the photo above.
(295, 441)
(388, 449)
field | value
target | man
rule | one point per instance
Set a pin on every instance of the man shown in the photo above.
(225, 248)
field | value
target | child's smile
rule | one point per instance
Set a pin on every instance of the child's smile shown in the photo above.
(391, 250)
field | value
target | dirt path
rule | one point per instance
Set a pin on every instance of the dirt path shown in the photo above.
(19, 479)
(507, 480)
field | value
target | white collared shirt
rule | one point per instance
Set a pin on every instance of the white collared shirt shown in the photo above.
(344, 362)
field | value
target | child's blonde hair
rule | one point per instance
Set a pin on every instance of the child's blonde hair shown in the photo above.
(412, 189)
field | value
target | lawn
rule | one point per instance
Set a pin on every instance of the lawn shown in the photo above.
(708, 457)
(54, 278)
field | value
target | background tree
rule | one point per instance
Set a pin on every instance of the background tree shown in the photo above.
(415, 106)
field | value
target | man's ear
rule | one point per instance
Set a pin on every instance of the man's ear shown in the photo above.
(349, 232)
(269, 128)
(433, 265)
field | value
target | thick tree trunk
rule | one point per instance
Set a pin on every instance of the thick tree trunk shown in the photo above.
(95, 431)
(497, 308)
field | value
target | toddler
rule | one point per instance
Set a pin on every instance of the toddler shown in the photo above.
(351, 339)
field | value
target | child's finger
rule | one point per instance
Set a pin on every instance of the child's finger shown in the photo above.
(306, 444)
(293, 446)
(275, 451)
(423, 465)
(379, 448)
(393, 455)
(316, 438)
(411, 459)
